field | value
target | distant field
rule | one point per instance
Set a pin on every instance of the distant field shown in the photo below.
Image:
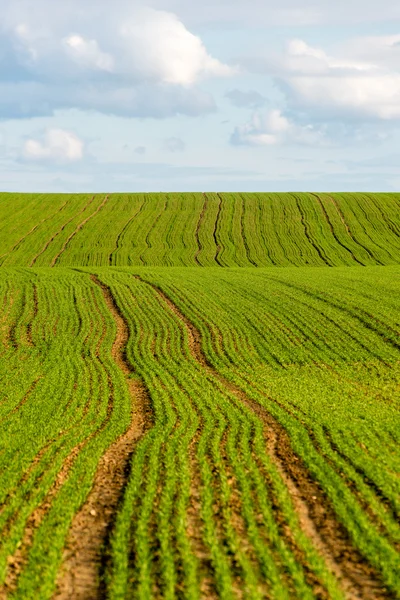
(200, 230)
(199, 433)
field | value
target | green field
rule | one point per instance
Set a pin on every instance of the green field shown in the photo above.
(189, 432)
(227, 230)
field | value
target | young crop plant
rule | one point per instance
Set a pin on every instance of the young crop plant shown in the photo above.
(209, 229)
(199, 396)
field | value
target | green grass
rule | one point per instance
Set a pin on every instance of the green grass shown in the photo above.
(206, 230)
(205, 506)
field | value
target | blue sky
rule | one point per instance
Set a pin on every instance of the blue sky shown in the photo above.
(181, 96)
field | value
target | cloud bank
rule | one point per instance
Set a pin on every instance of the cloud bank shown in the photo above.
(138, 62)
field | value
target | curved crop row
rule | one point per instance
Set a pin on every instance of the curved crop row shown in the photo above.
(242, 230)
(312, 351)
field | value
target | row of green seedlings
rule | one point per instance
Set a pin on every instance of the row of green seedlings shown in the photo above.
(217, 229)
(44, 237)
(367, 537)
(69, 410)
(198, 397)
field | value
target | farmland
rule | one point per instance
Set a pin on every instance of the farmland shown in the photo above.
(228, 230)
(173, 429)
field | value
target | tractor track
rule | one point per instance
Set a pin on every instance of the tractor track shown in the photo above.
(85, 553)
(358, 579)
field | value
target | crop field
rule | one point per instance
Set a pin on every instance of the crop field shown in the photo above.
(227, 230)
(171, 429)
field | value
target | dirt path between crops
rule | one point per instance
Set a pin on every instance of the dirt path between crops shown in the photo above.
(358, 580)
(84, 558)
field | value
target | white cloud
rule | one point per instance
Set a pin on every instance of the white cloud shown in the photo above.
(272, 129)
(87, 53)
(119, 60)
(159, 46)
(57, 145)
(362, 83)
(302, 58)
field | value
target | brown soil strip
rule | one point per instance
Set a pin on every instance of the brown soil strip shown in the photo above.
(79, 578)
(47, 244)
(317, 518)
(78, 228)
(18, 560)
(217, 245)
(199, 223)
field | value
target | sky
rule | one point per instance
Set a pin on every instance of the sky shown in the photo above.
(217, 95)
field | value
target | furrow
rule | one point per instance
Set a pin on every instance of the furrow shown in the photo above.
(47, 244)
(122, 234)
(341, 215)
(354, 313)
(333, 229)
(217, 245)
(18, 561)
(73, 234)
(307, 233)
(85, 555)
(200, 221)
(317, 518)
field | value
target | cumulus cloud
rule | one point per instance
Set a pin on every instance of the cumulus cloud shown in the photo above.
(363, 83)
(174, 144)
(87, 53)
(55, 145)
(159, 46)
(250, 99)
(272, 129)
(145, 61)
